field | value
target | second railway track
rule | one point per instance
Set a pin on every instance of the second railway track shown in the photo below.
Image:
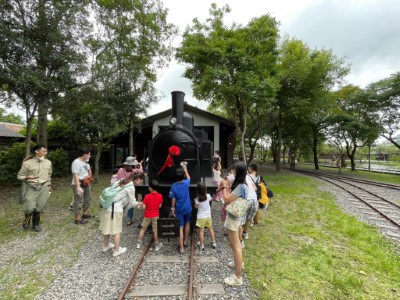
(374, 208)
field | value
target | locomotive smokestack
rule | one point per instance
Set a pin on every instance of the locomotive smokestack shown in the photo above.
(178, 99)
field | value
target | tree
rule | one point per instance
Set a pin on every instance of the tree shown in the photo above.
(93, 118)
(40, 54)
(132, 42)
(383, 101)
(231, 67)
(303, 103)
(352, 124)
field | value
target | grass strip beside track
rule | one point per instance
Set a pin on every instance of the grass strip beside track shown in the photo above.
(307, 248)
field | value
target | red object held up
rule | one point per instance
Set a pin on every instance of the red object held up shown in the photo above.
(169, 162)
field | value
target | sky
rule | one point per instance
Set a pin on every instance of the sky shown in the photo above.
(366, 33)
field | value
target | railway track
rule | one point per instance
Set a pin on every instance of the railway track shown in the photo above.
(352, 179)
(185, 285)
(375, 209)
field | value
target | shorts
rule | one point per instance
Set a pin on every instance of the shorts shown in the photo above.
(251, 212)
(183, 219)
(231, 223)
(108, 225)
(204, 223)
(146, 222)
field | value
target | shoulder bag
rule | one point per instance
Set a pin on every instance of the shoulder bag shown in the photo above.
(239, 207)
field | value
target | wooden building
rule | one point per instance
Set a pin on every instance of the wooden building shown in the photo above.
(216, 129)
(9, 133)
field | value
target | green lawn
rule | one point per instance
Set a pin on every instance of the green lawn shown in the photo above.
(307, 248)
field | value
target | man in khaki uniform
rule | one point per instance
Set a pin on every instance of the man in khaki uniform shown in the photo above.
(36, 173)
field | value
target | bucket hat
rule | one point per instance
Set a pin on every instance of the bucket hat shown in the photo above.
(130, 161)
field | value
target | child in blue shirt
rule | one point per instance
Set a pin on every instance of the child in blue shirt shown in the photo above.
(181, 205)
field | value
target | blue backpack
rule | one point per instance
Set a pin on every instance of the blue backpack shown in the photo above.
(107, 196)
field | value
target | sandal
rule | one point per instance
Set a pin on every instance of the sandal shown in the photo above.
(129, 223)
(179, 250)
(87, 216)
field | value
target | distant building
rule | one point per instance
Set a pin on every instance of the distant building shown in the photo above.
(216, 129)
(9, 133)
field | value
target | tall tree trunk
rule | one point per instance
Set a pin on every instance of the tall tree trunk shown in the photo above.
(43, 109)
(315, 152)
(131, 147)
(242, 147)
(284, 156)
(343, 160)
(273, 149)
(252, 150)
(28, 138)
(278, 150)
(99, 148)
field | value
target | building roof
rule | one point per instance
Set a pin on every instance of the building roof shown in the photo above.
(5, 131)
(13, 126)
(188, 108)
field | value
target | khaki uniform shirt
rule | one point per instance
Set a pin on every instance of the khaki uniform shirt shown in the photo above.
(37, 168)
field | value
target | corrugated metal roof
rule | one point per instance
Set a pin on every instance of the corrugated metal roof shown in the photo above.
(5, 132)
(13, 126)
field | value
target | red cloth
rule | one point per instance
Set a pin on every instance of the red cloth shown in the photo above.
(152, 202)
(169, 162)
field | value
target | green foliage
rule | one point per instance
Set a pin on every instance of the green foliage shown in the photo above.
(10, 161)
(232, 67)
(10, 117)
(383, 103)
(60, 162)
(41, 56)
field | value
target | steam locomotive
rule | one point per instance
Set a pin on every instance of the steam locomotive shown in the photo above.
(177, 143)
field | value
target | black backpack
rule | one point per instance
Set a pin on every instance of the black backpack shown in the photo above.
(259, 179)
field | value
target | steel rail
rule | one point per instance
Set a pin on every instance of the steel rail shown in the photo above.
(374, 183)
(191, 269)
(132, 277)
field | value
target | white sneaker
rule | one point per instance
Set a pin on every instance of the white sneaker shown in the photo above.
(242, 242)
(232, 280)
(110, 246)
(158, 246)
(246, 235)
(214, 245)
(121, 251)
(139, 244)
(232, 265)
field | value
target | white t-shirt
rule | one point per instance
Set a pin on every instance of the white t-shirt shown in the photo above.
(252, 193)
(79, 167)
(204, 209)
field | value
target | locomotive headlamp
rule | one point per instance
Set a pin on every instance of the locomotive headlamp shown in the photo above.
(173, 121)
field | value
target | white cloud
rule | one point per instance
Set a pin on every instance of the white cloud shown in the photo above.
(365, 32)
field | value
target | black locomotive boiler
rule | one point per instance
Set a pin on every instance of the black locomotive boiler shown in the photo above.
(179, 142)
